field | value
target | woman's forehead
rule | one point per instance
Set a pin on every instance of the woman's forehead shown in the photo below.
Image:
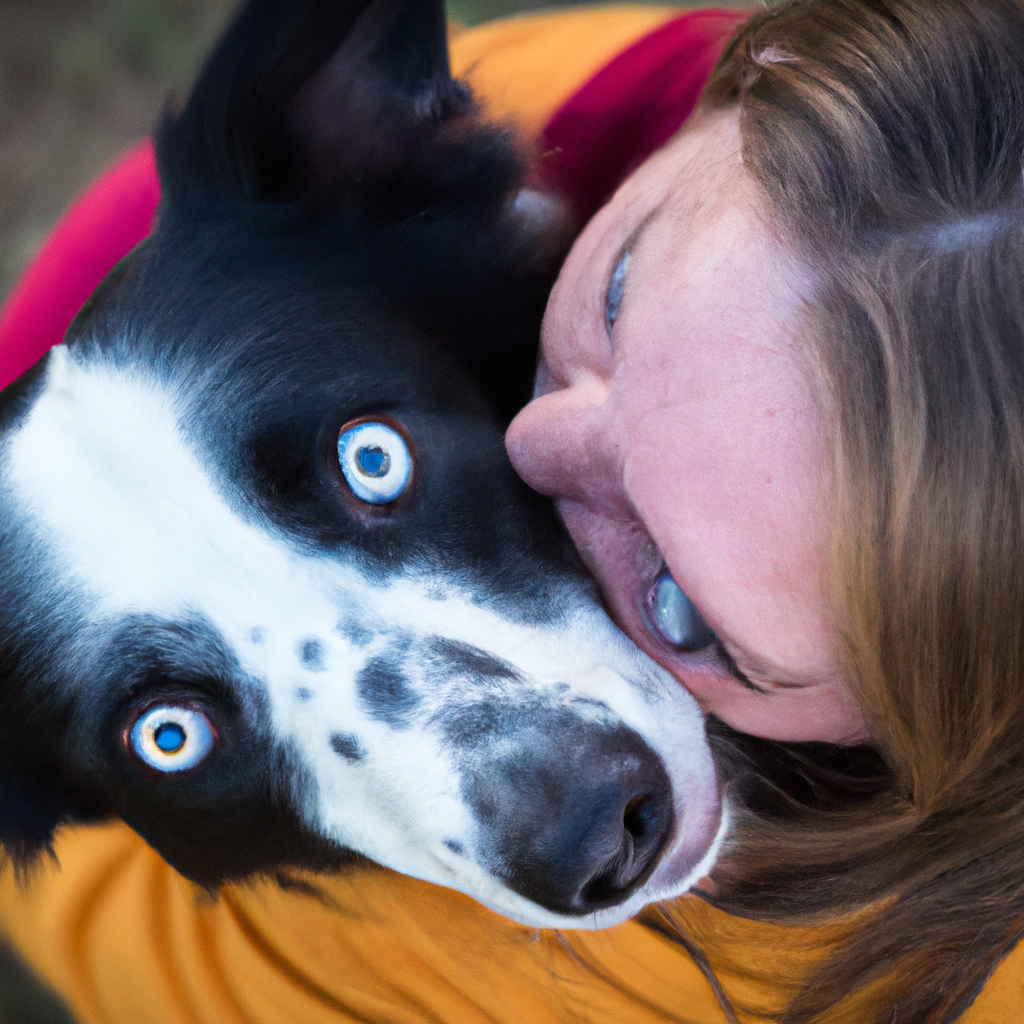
(699, 167)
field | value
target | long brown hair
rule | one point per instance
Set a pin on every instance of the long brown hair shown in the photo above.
(888, 138)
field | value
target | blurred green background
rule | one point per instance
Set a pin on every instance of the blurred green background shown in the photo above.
(79, 81)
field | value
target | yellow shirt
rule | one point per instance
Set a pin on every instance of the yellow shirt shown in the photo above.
(123, 939)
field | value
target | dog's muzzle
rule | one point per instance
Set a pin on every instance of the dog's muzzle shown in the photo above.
(573, 813)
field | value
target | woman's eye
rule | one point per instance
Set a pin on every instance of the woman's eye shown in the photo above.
(616, 287)
(675, 617)
(172, 738)
(375, 461)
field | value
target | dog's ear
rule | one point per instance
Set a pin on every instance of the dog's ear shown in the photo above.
(312, 96)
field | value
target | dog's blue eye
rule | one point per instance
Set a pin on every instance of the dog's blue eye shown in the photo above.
(171, 738)
(675, 617)
(375, 461)
(616, 289)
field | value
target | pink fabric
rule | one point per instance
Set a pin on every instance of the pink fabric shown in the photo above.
(628, 109)
(632, 106)
(103, 225)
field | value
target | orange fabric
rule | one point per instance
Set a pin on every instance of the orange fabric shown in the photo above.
(124, 940)
(523, 69)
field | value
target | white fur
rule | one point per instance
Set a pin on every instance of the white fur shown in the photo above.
(123, 503)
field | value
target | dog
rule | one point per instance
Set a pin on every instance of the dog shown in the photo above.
(272, 593)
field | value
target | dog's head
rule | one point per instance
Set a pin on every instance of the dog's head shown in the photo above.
(271, 590)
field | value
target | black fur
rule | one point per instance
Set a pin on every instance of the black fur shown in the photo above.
(327, 190)
(384, 691)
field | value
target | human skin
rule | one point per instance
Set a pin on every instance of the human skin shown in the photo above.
(687, 437)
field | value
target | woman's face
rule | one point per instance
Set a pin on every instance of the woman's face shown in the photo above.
(676, 427)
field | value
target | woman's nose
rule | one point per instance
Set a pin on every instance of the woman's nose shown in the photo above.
(558, 443)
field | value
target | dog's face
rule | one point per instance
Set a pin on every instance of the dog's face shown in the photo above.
(271, 590)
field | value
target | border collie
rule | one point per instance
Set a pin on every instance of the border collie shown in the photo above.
(271, 591)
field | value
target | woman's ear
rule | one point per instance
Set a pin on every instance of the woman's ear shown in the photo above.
(311, 97)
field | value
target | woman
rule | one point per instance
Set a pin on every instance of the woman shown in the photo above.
(783, 365)
(781, 409)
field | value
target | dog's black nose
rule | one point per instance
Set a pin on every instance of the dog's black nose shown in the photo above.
(575, 813)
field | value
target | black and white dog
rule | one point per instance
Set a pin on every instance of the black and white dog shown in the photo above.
(271, 591)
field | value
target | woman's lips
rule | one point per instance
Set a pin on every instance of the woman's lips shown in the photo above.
(624, 561)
